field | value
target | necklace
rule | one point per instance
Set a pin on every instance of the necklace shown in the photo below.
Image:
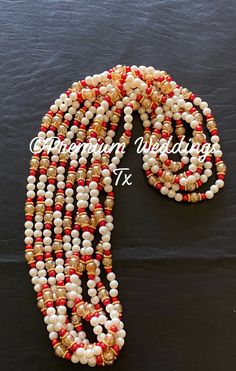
(70, 195)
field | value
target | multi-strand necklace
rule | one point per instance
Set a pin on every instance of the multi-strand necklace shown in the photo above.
(70, 196)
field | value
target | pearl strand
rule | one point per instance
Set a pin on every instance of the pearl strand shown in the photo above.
(64, 210)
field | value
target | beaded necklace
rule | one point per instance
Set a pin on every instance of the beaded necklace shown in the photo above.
(70, 196)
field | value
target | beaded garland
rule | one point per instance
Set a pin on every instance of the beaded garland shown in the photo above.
(70, 197)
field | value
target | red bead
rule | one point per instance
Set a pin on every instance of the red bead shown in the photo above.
(68, 356)
(103, 346)
(128, 133)
(163, 99)
(198, 128)
(99, 285)
(106, 302)
(209, 116)
(49, 304)
(192, 97)
(164, 135)
(99, 361)
(98, 206)
(113, 328)
(74, 347)
(62, 332)
(116, 349)
(77, 300)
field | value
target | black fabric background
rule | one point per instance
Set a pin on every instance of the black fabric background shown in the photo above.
(175, 263)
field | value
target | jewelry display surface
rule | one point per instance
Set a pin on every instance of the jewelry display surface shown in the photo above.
(174, 261)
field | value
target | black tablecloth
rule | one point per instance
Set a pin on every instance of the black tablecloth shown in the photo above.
(175, 263)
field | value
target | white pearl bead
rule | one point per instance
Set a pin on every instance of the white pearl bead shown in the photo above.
(220, 183)
(209, 195)
(214, 188)
(178, 197)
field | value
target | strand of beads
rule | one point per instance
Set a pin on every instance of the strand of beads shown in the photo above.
(70, 196)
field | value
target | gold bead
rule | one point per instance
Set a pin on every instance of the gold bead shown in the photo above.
(57, 246)
(59, 199)
(60, 350)
(80, 310)
(60, 292)
(199, 138)
(96, 171)
(146, 102)
(103, 294)
(47, 295)
(152, 180)
(194, 197)
(168, 176)
(68, 340)
(180, 131)
(38, 249)
(91, 267)
(81, 135)
(74, 261)
(108, 357)
(83, 220)
(29, 256)
(67, 223)
(50, 265)
(109, 339)
(166, 127)
(107, 261)
(40, 303)
(211, 125)
(175, 166)
(191, 187)
(34, 163)
(29, 209)
(62, 130)
(166, 87)
(46, 121)
(124, 139)
(221, 168)
(109, 203)
(44, 163)
(64, 156)
(51, 172)
(48, 218)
